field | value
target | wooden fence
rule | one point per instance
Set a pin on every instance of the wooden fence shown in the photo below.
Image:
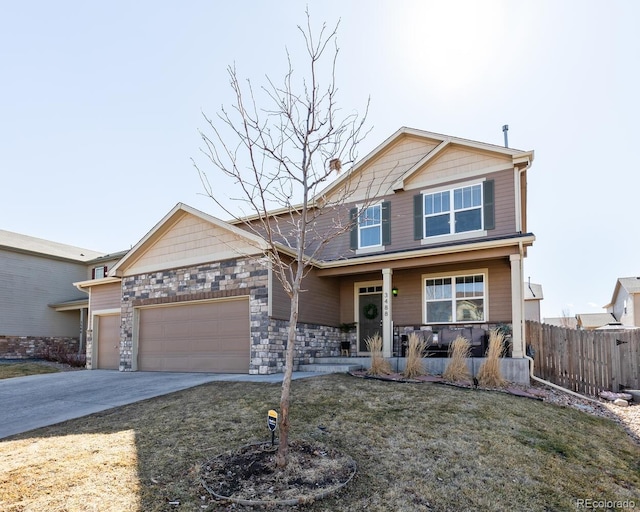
(585, 361)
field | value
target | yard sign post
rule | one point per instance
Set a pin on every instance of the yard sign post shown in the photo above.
(272, 422)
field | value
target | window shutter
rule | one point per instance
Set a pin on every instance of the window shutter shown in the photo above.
(386, 223)
(418, 217)
(353, 216)
(105, 271)
(93, 273)
(489, 204)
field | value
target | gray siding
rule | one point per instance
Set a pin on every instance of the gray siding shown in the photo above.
(28, 283)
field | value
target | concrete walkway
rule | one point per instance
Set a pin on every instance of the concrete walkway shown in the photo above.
(37, 401)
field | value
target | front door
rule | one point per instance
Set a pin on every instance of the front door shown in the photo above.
(369, 317)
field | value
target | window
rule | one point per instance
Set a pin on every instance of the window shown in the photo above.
(455, 299)
(454, 211)
(99, 272)
(371, 226)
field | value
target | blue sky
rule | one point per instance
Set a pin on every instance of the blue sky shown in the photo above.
(102, 102)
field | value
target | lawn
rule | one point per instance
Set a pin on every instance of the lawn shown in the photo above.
(417, 447)
(10, 370)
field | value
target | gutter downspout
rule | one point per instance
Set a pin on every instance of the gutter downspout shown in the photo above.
(555, 386)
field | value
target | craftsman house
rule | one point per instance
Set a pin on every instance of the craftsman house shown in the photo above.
(437, 247)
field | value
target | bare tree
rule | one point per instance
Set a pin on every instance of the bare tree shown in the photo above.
(280, 157)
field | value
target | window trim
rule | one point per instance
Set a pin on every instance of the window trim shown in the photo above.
(361, 218)
(384, 227)
(486, 212)
(484, 272)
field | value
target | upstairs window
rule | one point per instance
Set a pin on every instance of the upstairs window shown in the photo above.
(454, 211)
(99, 272)
(371, 226)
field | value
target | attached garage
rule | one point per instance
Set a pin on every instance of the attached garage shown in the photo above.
(211, 336)
(108, 339)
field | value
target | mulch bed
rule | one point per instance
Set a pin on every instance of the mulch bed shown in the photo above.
(249, 476)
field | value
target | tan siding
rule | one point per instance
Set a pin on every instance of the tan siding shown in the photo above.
(106, 296)
(387, 167)
(408, 307)
(319, 304)
(402, 218)
(190, 240)
(456, 163)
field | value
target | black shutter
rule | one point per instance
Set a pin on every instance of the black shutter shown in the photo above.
(386, 223)
(418, 217)
(105, 271)
(93, 273)
(353, 217)
(489, 204)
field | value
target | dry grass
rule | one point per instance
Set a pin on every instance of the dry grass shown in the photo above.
(10, 370)
(489, 373)
(457, 369)
(379, 365)
(418, 447)
(415, 353)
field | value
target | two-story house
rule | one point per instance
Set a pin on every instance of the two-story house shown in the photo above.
(625, 302)
(39, 306)
(438, 248)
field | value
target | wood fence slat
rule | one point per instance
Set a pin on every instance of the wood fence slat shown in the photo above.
(585, 361)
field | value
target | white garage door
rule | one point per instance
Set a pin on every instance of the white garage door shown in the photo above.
(195, 337)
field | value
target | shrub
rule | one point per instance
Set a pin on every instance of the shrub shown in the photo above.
(459, 351)
(62, 354)
(379, 365)
(415, 352)
(489, 373)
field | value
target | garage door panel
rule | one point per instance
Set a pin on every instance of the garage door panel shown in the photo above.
(206, 337)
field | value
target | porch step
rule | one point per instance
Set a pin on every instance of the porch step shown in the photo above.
(329, 367)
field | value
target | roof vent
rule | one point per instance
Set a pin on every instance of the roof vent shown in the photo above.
(505, 129)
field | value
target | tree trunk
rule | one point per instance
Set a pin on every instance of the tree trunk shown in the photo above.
(283, 447)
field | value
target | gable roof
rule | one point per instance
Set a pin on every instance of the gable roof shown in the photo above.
(595, 320)
(533, 291)
(630, 284)
(31, 245)
(165, 224)
(440, 141)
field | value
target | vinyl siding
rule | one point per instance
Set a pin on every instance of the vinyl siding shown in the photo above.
(407, 306)
(379, 174)
(190, 240)
(106, 296)
(317, 305)
(28, 284)
(402, 218)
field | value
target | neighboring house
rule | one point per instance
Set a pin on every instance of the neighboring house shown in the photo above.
(38, 303)
(591, 321)
(532, 297)
(625, 303)
(568, 322)
(439, 249)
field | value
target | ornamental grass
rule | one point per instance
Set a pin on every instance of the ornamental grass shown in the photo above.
(379, 365)
(415, 353)
(459, 352)
(489, 373)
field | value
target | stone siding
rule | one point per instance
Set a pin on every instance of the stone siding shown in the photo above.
(231, 278)
(27, 347)
(312, 341)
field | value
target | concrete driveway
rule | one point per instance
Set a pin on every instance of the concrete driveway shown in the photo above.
(36, 401)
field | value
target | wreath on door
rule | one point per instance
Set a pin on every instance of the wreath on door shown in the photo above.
(370, 311)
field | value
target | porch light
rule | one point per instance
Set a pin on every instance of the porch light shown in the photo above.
(394, 291)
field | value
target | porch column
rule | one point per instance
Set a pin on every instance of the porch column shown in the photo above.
(387, 323)
(517, 306)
